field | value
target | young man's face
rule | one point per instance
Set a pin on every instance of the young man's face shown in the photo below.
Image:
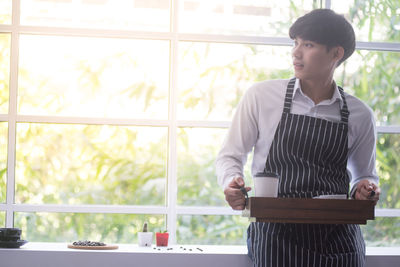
(312, 60)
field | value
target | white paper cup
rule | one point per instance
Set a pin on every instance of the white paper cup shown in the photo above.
(266, 184)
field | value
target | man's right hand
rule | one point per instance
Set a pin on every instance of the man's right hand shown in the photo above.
(234, 196)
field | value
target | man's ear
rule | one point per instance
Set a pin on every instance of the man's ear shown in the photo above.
(338, 53)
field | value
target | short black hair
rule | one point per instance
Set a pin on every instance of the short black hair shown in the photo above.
(325, 27)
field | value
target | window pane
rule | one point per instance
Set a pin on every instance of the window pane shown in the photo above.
(70, 227)
(4, 71)
(242, 17)
(2, 219)
(212, 230)
(197, 181)
(5, 11)
(3, 160)
(151, 15)
(382, 232)
(373, 77)
(89, 164)
(98, 77)
(213, 77)
(373, 20)
(388, 167)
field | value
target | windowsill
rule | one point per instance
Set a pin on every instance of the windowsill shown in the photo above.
(128, 248)
(57, 254)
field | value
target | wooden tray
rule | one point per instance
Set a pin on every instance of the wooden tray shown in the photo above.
(308, 210)
(106, 247)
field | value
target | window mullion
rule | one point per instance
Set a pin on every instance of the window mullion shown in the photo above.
(11, 147)
(328, 4)
(391, 129)
(172, 157)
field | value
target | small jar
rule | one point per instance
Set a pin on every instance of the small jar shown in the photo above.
(145, 239)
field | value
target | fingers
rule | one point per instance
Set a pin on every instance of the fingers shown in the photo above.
(364, 190)
(234, 196)
(375, 193)
(367, 191)
(236, 182)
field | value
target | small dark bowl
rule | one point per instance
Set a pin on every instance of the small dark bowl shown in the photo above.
(10, 234)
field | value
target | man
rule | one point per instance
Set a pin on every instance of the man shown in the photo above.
(317, 138)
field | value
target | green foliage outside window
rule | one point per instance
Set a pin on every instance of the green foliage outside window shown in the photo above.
(375, 20)
(2, 219)
(79, 164)
(3, 160)
(376, 81)
(69, 227)
(120, 169)
(4, 71)
(212, 229)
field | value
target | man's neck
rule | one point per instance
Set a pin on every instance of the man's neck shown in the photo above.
(318, 91)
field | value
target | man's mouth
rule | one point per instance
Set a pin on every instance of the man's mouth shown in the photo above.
(298, 65)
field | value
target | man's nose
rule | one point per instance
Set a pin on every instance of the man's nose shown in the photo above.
(296, 51)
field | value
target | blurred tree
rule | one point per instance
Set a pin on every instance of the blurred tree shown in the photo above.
(4, 89)
(376, 82)
(74, 164)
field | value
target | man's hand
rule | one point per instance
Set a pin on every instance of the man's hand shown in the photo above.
(234, 196)
(365, 191)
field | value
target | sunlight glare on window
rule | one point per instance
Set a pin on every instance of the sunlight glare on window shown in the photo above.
(151, 15)
(5, 42)
(5, 11)
(241, 17)
(93, 77)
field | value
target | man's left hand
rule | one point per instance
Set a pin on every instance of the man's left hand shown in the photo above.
(367, 190)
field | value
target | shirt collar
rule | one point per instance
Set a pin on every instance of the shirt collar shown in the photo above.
(335, 97)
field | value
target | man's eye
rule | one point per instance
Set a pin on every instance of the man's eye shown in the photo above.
(308, 45)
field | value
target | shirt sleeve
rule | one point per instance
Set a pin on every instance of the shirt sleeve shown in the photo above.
(362, 153)
(241, 137)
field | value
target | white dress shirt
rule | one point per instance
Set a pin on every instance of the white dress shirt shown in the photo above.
(258, 115)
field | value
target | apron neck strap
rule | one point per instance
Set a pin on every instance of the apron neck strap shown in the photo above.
(344, 112)
(289, 96)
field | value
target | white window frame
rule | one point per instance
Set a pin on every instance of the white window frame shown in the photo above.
(171, 210)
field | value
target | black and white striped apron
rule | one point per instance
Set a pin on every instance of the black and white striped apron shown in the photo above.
(310, 154)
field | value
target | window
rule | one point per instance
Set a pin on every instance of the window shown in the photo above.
(3, 161)
(5, 42)
(112, 112)
(370, 74)
(5, 11)
(98, 14)
(2, 218)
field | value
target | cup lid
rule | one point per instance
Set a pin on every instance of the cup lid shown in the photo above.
(267, 174)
